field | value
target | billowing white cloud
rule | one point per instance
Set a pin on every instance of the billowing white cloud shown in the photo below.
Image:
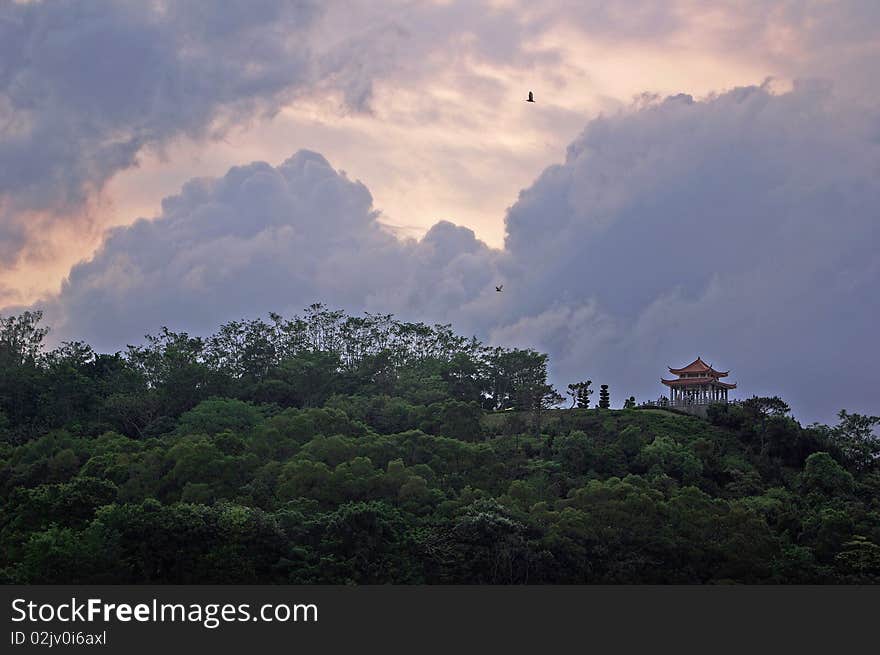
(742, 228)
(105, 107)
(86, 86)
(259, 239)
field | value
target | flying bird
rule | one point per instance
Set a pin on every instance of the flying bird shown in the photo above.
(499, 288)
(531, 97)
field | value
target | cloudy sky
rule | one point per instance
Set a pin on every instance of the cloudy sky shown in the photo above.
(695, 178)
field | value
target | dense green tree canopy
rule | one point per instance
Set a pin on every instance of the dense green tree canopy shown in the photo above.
(361, 450)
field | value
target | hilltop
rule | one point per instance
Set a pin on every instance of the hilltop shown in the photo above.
(333, 449)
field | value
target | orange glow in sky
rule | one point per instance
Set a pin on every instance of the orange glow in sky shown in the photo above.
(448, 136)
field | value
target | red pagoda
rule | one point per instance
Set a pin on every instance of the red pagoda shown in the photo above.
(698, 384)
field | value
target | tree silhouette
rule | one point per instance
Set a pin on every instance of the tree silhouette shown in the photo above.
(580, 394)
(331, 449)
(604, 397)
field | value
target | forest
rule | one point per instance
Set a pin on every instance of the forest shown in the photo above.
(336, 449)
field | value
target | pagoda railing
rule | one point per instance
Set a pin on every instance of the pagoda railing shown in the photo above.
(687, 402)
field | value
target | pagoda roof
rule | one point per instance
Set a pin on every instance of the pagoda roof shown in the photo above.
(686, 382)
(699, 366)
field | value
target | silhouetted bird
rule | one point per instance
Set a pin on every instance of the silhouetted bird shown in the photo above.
(531, 97)
(499, 288)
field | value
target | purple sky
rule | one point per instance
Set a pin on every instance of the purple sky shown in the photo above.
(695, 178)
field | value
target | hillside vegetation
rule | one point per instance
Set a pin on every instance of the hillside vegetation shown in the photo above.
(362, 450)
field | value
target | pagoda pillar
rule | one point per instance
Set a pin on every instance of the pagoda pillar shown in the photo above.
(698, 384)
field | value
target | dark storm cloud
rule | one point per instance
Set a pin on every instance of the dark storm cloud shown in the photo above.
(85, 86)
(261, 239)
(742, 228)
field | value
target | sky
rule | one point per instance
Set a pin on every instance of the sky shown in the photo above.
(694, 178)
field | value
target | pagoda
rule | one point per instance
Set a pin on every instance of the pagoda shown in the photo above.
(697, 384)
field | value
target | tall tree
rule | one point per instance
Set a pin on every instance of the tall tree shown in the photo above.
(21, 338)
(604, 397)
(22, 379)
(515, 378)
(857, 438)
(580, 394)
(762, 409)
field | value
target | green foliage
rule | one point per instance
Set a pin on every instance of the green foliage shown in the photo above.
(362, 450)
(859, 561)
(664, 456)
(825, 476)
(21, 339)
(575, 452)
(857, 439)
(367, 543)
(580, 393)
(216, 415)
